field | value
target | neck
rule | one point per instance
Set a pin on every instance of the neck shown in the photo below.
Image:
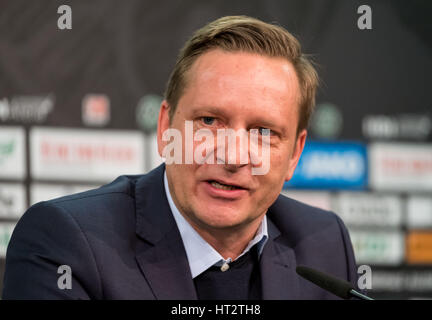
(229, 243)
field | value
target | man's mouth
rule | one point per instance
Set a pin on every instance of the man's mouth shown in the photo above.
(222, 186)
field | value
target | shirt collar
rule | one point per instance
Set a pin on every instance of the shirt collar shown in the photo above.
(201, 255)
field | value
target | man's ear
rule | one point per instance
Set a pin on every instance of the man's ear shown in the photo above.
(163, 124)
(295, 157)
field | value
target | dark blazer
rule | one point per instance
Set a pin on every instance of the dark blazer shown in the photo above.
(121, 242)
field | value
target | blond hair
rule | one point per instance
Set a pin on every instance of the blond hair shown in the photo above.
(246, 34)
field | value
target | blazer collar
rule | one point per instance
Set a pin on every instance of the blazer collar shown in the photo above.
(278, 267)
(161, 257)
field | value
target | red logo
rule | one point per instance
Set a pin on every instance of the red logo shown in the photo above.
(96, 110)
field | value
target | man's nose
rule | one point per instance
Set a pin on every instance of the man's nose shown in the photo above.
(233, 151)
(233, 167)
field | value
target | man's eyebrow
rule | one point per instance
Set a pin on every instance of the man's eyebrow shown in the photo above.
(208, 109)
(269, 123)
(266, 123)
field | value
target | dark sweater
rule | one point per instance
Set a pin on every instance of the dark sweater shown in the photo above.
(242, 281)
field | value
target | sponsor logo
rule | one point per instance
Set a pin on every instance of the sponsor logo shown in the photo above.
(402, 167)
(403, 280)
(26, 109)
(86, 155)
(96, 110)
(12, 200)
(154, 158)
(12, 153)
(419, 212)
(43, 192)
(6, 150)
(332, 166)
(419, 281)
(388, 281)
(419, 247)
(379, 247)
(406, 126)
(317, 199)
(6, 230)
(327, 121)
(367, 209)
(147, 112)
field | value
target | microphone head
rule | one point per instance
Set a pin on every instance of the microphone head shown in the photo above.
(338, 287)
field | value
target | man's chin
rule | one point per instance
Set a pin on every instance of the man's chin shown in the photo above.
(221, 218)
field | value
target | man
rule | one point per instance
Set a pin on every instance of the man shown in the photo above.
(210, 229)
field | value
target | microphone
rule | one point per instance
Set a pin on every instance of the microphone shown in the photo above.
(338, 287)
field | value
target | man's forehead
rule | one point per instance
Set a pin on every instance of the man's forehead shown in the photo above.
(236, 69)
(221, 78)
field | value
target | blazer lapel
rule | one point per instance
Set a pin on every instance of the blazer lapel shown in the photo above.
(161, 257)
(278, 263)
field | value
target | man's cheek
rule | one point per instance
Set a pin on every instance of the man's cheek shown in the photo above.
(279, 161)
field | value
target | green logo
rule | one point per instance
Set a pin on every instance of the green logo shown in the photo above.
(5, 235)
(6, 150)
(327, 121)
(147, 112)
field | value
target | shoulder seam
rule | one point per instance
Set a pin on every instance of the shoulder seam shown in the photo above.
(55, 201)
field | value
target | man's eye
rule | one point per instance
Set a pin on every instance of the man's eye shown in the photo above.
(264, 131)
(208, 120)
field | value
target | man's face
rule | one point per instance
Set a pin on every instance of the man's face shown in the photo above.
(234, 90)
